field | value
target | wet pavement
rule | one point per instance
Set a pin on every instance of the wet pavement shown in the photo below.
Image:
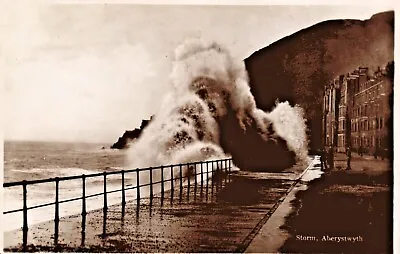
(220, 217)
(346, 211)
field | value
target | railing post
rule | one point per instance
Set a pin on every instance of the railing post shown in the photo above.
(217, 175)
(105, 190)
(201, 171)
(188, 178)
(226, 171)
(105, 204)
(123, 192)
(195, 174)
(172, 183)
(195, 180)
(83, 233)
(207, 181)
(57, 213)
(201, 178)
(212, 171)
(212, 178)
(230, 166)
(25, 216)
(162, 185)
(137, 191)
(221, 172)
(180, 182)
(151, 185)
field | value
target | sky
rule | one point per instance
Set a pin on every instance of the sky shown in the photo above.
(88, 72)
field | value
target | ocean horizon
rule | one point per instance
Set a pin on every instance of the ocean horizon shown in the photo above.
(29, 160)
(50, 156)
(33, 160)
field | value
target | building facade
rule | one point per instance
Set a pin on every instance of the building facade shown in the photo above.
(356, 112)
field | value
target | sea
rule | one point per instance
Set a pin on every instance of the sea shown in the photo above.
(40, 160)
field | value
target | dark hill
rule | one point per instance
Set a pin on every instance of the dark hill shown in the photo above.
(297, 67)
(130, 135)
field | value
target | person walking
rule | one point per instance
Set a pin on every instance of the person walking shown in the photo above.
(331, 158)
(348, 154)
(323, 159)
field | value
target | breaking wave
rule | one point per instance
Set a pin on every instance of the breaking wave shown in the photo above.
(207, 83)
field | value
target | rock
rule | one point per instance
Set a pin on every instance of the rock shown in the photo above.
(130, 135)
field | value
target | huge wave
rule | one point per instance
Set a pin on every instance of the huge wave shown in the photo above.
(210, 93)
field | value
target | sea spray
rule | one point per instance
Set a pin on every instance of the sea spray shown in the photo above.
(290, 124)
(207, 84)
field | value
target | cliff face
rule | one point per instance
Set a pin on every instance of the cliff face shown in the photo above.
(297, 67)
(130, 136)
(249, 151)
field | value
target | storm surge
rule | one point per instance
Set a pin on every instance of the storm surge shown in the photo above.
(210, 113)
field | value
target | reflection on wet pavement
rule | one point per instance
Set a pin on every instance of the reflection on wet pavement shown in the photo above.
(214, 216)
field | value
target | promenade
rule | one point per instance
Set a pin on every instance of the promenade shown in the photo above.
(346, 211)
(221, 217)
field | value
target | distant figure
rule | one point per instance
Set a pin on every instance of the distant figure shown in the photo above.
(348, 154)
(331, 158)
(323, 159)
(360, 150)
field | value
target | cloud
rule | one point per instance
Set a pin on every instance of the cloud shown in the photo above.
(84, 66)
(98, 92)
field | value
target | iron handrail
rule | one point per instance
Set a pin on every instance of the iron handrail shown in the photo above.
(138, 186)
(65, 178)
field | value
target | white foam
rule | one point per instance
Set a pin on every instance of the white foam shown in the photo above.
(313, 172)
(206, 81)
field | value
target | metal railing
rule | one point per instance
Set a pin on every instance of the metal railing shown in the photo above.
(223, 166)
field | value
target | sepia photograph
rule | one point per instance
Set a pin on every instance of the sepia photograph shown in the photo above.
(192, 128)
